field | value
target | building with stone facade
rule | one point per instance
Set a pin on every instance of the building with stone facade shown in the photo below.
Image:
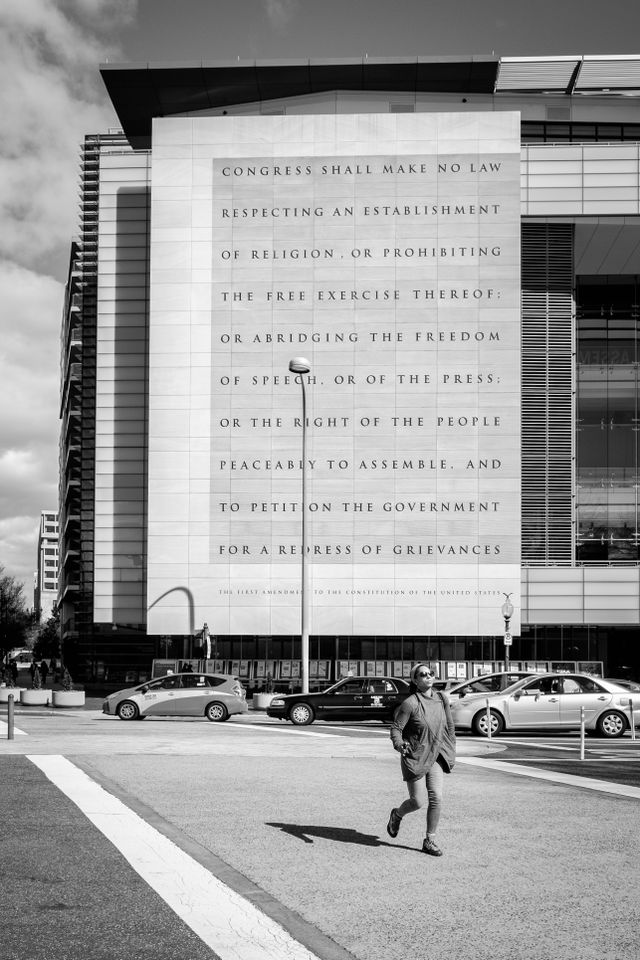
(454, 245)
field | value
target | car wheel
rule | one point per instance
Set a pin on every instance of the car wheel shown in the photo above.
(127, 710)
(611, 724)
(216, 712)
(301, 714)
(480, 727)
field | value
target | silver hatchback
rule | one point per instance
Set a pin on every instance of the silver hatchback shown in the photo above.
(216, 696)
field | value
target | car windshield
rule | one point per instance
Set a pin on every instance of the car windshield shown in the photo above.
(488, 683)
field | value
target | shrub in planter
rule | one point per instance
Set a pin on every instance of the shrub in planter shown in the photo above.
(262, 700)
(68, 696)
(6, 692)
(36, 697)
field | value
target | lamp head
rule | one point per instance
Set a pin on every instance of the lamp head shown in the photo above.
(299, 365)
(507, 609)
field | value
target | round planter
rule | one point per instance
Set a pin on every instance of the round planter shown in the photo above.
(68, 698)
(262, 700)
(5, 691)
(35, 698)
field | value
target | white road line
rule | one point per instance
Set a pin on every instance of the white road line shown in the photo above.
(291, 730)
(4, 730)
(374, 733)
(620, 789)
(598, 759)
(539, 746)
(575, 744)
(227, 923)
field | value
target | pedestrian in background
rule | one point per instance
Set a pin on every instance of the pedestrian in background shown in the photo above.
(13, 667)
(423, 733)
(44, 670)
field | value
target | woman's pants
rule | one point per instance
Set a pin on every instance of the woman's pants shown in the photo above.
(426, 789)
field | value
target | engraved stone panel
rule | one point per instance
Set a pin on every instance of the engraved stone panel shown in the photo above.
(385, 250)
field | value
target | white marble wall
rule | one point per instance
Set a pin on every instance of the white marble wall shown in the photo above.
(274, 237)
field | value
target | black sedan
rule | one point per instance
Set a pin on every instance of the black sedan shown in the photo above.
(353, 698)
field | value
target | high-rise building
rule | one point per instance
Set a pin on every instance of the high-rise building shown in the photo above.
(45, 593)
(454, 247)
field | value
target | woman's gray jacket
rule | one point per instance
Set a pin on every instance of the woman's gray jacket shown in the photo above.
(426, 726)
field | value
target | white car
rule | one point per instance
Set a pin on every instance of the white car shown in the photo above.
(484, 684)
(216, 696)
(549, 701)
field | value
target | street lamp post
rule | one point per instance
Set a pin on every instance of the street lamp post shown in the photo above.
(301, 366)
(507, 613)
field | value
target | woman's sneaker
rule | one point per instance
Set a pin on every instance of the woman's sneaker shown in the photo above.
(431, 847)
(394, 823)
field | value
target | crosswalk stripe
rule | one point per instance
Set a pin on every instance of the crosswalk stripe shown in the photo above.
(227, 923)
(4, 730)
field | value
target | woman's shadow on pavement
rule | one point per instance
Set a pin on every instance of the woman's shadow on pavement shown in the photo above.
(306, 832)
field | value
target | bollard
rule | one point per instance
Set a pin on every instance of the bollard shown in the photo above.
(633, 726)
(488, 720)
(582, 733)
(10, 717)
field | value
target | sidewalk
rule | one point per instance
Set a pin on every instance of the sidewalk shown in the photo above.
(533, 869)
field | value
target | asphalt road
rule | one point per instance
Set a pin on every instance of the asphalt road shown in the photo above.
(613, 761)
(293, 820)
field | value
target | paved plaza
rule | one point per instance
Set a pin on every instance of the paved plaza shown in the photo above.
(160, 839)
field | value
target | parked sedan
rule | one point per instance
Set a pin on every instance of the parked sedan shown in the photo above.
(486, 683)
(549, 701)
(444, 686)
(216, 696)
(625, 684)
(354, 698)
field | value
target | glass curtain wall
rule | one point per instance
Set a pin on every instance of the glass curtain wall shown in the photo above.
(607, 418)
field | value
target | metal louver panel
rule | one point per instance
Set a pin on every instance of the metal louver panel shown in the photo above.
(609, 73)
(535, 74)
(547, 394)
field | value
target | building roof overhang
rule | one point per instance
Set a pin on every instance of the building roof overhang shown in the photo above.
(141, 91)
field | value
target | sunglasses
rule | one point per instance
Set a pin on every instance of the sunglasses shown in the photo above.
(428, 673)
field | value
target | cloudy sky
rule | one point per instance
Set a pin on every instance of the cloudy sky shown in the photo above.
(51, 95)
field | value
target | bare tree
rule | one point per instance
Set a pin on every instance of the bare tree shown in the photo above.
(14, 616)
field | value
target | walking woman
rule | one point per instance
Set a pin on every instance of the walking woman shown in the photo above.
(423, 733)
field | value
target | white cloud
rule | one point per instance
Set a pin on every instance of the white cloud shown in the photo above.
(51, 95)
(29, 361)
(19, 541)
(280, 12)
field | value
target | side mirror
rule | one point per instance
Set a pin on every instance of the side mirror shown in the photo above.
(517, 694)
(144, 689)
(462, 694)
